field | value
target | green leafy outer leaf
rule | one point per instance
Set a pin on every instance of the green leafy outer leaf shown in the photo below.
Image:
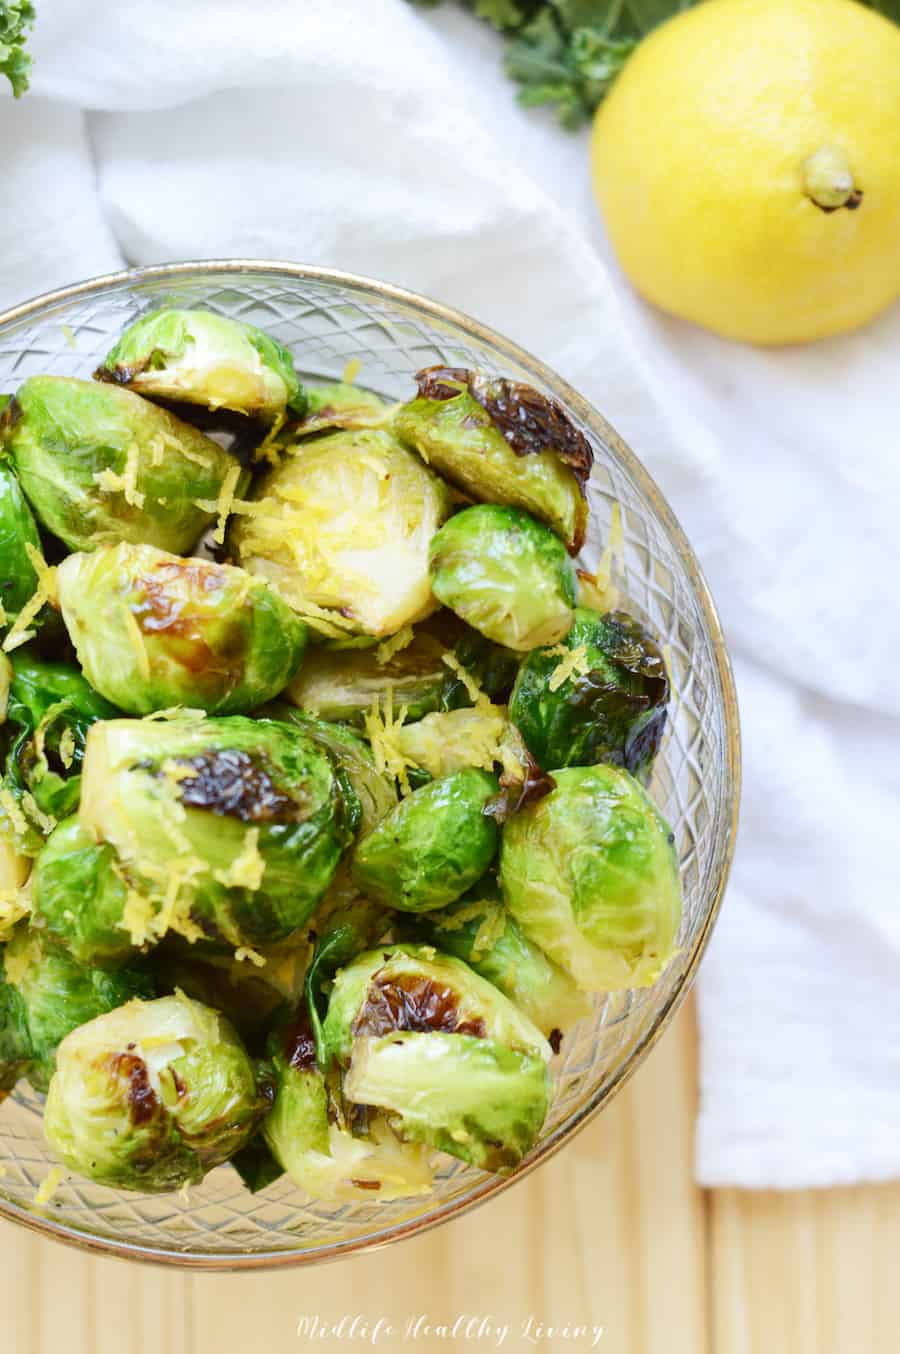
(16, 17)
(18, 578)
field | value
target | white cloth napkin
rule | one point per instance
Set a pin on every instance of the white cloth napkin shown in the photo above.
(384, 139)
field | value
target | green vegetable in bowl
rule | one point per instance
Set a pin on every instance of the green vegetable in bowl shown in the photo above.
(152, 1095)
(505, 574)
(100, 465)
(324, 1150)
(342, 527)
(81, 898)
(479, 929)
(19, 543)
(57, 994)
(15, 868)
(226, 830)
(502, 442)
(153, 630)
(600, 695)
(591, 876)
(433, 846)
(198, 357)
(341, 405)
(449, 1059)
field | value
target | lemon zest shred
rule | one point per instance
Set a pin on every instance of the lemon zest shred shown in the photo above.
(10, 806)
(6, 676)
(244, 952)
(66, 749)
(381, 730)
(48, 1186)
(224, 502)
(19, 632)
(68, 334)
(351, 371)
(46, 573)
(574, 663)
(396, 644)
(248, 867)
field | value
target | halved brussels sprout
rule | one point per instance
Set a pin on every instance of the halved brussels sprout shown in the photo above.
(18, 531)
(100, 465)
(197, 357)
(342, 528)
(591, 876)
(58, 994)
(599, 696)
(327, 1153)
(450, 741)
(51, 707)
(228, 830)
(505, 574)
(152, 1095)
(340, 405)
(80, 897)
(154, 630)
(432, 847)
(502, 442)
(376, 794)
(445, 1055)
(344, 684)
(479, 930)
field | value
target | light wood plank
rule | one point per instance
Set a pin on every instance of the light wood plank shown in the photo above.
(808, 1272)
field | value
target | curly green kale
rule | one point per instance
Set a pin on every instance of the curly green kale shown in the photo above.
(16, 17)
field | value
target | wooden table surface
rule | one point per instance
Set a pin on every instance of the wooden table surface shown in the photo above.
(612, 1233)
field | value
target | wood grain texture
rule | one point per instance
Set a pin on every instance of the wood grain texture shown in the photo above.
(611, 1233)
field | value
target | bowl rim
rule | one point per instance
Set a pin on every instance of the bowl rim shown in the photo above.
(494, 1185)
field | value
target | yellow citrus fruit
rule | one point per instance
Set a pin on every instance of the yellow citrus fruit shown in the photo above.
(747, 165)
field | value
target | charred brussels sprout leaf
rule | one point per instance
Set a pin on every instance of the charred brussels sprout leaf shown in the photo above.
(601, 695)
(18, 531)
(505, 574)
(441, 1052)
(433, 846)
(51, 707)
(502, 443)
(341, 406)
(492, 667)
(228, 830)
(152, 1095)
(342, 528)
(591, 876)
(58, 994)
(153, 630)
(197, 357)
(346, 932)
(479, 930)
(100, 465)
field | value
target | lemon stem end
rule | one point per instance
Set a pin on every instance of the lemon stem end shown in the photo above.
(828, 181)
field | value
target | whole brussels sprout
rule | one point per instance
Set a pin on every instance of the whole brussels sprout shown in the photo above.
(342, 528)
(432, 847)
(502, 442)
(230, 829)
(376, 794)
(100, 465)
(81, 897)
(154, 630)
(445, 1055)
(590, 874)
(50, 707)
(331, 1155)
(340, 405)
(152, 1095)
(505, 574)
(600, 696)
(58, 994)
(344, 684)
(18, 531)
(479, 929)
(197, 357)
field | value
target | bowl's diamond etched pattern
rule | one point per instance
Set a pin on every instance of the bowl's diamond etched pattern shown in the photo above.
(327, 322)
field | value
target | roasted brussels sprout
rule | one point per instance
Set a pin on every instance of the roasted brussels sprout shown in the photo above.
(331, 1154)
(444, 1054)
(152, 1095)
(15, 868)
(344, 684)
(502, 442)
(491, 667)
(251, 993)
(153, 630)
(228, 830)
(479, 930)
(599, 696)
(100, 465)
(18, 532)
(341, 406)
(81, 897)
(505, 574)
(51, 707)
(449, 741)
(342, 528)
(58, 994)
(197, 357)
(432, 847)
(590, 874)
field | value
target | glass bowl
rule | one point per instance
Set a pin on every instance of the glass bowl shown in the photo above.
(329, 319)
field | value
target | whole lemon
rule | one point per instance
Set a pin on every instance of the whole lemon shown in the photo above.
(747, 164)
